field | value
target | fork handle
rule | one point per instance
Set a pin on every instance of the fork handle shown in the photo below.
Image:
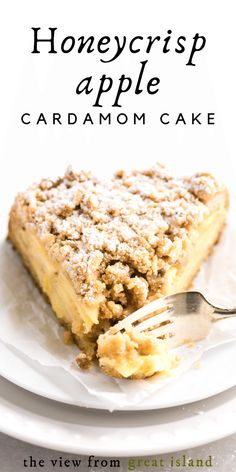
(224, 312)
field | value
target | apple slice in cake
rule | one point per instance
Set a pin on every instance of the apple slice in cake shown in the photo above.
(101, 249)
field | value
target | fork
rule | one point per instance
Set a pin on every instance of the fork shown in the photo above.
(180, 319)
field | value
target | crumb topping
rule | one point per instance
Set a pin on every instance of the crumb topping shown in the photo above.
(117, 238)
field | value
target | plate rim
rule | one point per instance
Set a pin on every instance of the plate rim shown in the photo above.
(113, 452)
(31, 436)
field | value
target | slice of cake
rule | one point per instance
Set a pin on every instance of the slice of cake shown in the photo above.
(101, 249)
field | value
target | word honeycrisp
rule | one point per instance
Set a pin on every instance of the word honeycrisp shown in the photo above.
(111, 48)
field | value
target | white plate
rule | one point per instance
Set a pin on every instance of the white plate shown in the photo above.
(56, 384)
(214, 376)
(83, 431)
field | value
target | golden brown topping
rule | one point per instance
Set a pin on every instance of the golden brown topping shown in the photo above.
(117, 238)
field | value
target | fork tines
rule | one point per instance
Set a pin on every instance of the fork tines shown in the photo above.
(153, 317)
(155, 321)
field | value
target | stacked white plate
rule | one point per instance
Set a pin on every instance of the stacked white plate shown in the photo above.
(47, 407)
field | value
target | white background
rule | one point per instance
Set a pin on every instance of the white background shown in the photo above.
(46, 83)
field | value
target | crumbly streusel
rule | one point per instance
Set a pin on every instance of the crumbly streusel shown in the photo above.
(117, 238)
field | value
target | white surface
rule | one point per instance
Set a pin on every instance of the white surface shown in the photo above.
(77, 430)
(14, 452)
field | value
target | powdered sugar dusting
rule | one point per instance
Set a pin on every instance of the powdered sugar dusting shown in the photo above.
(117, 238)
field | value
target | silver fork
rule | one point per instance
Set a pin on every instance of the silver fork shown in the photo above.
(181, 318)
